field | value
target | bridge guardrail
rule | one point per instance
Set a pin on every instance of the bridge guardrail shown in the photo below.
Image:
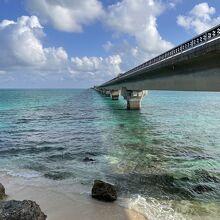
(204, 37)
(200, 39)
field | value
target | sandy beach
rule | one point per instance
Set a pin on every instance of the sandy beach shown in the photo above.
(59, 204)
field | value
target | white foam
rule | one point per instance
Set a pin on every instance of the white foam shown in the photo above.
(24, 174)
(152, 209)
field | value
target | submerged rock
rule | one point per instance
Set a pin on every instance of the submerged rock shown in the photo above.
(87, 159)
(2, 191)
(104, 191)
(21, 210)
(202, 188)
(206, 176)
(185, 179)
(57, 175)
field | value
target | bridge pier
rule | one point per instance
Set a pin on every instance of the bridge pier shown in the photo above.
(133, 98)
(115, 94)
(107, 93)
(102, 91)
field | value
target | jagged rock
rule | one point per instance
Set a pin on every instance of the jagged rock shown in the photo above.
(21, 210)
(104, 191)
(2, 191)
(87, 159)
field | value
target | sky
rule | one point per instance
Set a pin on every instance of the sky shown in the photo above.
(79, 44)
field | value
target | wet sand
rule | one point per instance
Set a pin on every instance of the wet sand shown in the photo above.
(59, 204)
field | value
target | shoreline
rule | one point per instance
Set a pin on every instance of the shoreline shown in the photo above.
(58, 203)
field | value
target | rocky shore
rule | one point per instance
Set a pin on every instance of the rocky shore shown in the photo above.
(2, 192)
(27, 201)
(30, 210)
(19, 210)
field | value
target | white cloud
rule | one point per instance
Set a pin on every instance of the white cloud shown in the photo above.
(95, 68)
(2, 72)
(199, 19)
(173, 3)
(22, 51)
(138, 19)
(66, 15)
(21, 46)
(108, 46)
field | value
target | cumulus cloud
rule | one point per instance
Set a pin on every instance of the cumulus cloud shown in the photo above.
(138, 19)
(21, 46)
(199, 19)
(97, 68)
(134, 23)
(22, 50)
(131, 55)
(19, 42)
(66, 15)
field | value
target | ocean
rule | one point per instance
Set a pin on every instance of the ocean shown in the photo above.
(164, 159)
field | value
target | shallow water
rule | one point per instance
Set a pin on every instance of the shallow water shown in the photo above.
(164, 159)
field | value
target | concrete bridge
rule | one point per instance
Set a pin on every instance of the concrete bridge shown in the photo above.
(191, 66)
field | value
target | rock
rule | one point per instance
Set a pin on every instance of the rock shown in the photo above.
(202, 188)
(91, 153)
(121, 125)
(206, 176)
(87, 159)
(185, 179)
(2, 191)
(104, 191)
(21, 210)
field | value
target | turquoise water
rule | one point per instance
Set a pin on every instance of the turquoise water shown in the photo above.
(164, 158)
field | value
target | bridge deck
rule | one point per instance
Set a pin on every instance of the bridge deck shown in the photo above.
(193, 65)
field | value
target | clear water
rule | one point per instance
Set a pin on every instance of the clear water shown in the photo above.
(164, 159)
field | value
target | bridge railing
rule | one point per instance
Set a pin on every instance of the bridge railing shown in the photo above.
(198, 40)
(203, 38)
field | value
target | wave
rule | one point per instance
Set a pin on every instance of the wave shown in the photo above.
(20, 173)
(151, 208)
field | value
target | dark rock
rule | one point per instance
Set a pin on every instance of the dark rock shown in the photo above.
(164, 180)
(57, 175)
(121, 125)
(185, 179)
(2, 191)
(87, 159)
(21, 210)
(206, 176)
(92, 153)
(104, 191)
(202, 188)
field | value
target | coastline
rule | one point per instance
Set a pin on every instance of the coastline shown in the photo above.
(58, 203)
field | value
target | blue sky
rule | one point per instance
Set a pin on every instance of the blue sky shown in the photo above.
(77, 44)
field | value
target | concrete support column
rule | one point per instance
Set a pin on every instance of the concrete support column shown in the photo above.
(133, 98)
(102, 91)
(115, 94)
(107, 93)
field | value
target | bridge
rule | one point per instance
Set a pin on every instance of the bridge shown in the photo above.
(191, 66)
